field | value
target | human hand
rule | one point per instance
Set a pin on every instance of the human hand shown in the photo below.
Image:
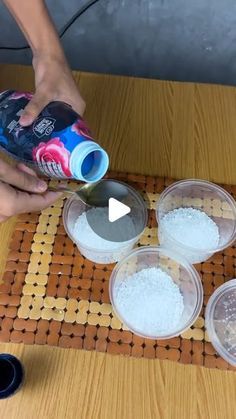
(22, 191)
(53, 81)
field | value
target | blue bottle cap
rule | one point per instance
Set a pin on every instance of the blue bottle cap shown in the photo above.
(89, 162)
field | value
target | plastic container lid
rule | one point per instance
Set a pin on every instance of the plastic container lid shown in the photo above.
(11, 375)
(221, 321)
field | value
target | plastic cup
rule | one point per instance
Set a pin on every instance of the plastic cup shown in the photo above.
(11, 375)
(182, 273)
(74, 207)
(207, 197)
(220, 319)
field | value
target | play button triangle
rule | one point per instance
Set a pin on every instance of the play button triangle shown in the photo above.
(116, 210)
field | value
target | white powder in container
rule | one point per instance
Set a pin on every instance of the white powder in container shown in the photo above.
(149, 302)
(191, 227)
(96, 248)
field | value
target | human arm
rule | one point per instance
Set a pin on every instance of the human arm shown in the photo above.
(19, 187)
(53, 77)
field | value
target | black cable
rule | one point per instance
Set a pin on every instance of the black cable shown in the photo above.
(63, 30)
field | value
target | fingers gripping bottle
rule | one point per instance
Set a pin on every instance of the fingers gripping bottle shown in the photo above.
(58, 144)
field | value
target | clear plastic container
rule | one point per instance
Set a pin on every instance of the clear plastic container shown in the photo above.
(74, 207)
(220, 320)
(213, 200)
(181, 272)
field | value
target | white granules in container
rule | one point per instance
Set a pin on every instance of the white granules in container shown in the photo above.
(149, 302)
(102, 251)
(191, 227)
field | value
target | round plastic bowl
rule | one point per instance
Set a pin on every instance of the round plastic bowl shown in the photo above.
(74, 207)
(181, 272)
(220, 321)
(207, 197)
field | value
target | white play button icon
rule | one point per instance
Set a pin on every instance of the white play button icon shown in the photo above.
(117, 210)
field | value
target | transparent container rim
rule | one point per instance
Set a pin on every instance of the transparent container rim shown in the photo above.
(177, 258)
(102, 251)
(210, 308)
(213, 186)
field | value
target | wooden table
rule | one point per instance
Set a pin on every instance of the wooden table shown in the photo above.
(149, 127)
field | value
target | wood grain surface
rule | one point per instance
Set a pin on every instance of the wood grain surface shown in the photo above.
(151, 127)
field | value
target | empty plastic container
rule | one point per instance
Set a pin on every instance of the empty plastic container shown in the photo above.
(201, 195)
(181, 272)
(220, 321)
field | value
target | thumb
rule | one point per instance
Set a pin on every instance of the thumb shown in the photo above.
(33, 109)
(21, 166)
(20, 179)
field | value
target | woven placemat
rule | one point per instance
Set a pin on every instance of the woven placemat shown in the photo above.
(52, 295)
